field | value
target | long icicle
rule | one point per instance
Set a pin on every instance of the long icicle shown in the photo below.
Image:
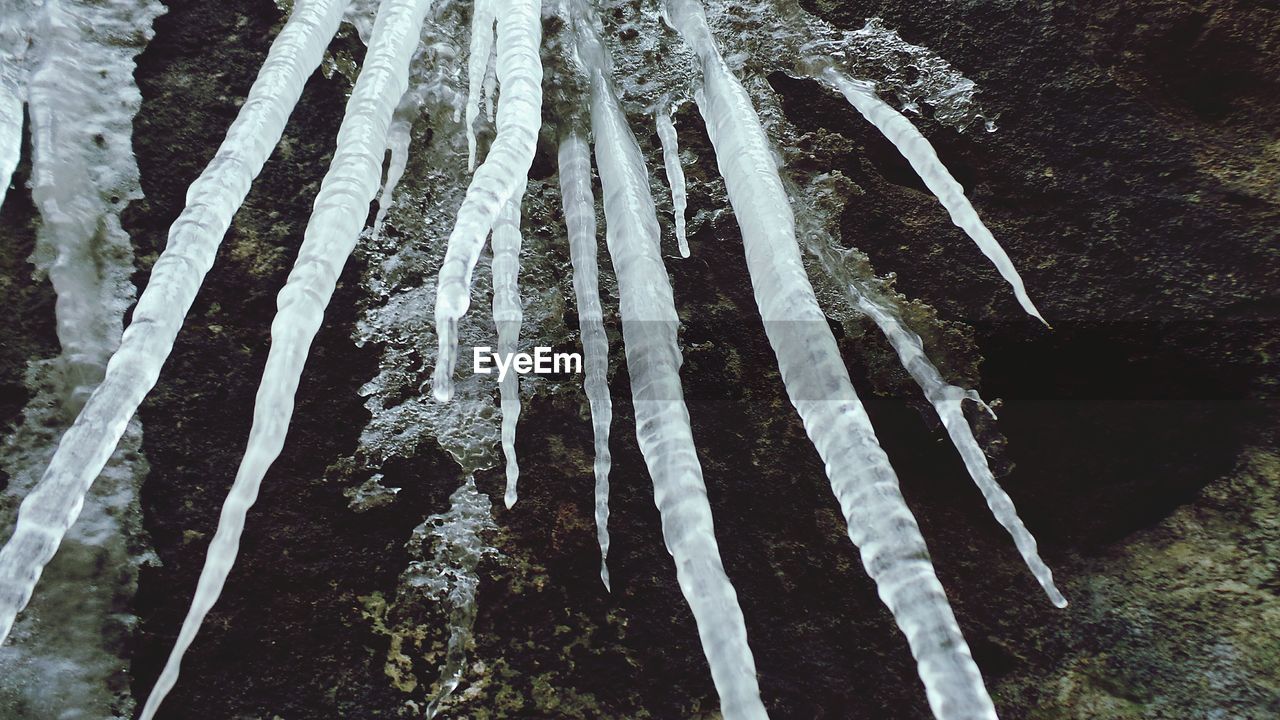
(580, 220)
(947, 400)
(507, 316)
(879, 522)
(341, 208)
(650, 329)
(924, 160)
(675, 172)
(52, 507)
(505, 169)
(482, 18)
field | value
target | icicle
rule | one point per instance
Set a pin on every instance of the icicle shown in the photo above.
(946, 400)
(10, 135)
(213, 198)
(399, 136)
(580, 220)
(920, 153)
(675, 173)
(879, 522)
(491, 82)
(341, 207)
(482, 18)
(649, 327)
(507, 316)
(504, 170)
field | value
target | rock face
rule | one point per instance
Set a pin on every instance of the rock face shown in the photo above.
(1135, 180)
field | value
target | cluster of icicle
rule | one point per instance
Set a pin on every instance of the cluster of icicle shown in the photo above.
(378, 114)
(70, 66)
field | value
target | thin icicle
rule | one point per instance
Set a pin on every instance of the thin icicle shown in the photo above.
(491, 83)
(399, 136)
(341, 207)
(675, 172)
(507, 316)
(10, 135)
(650, 327)
(482, 18)
(505, 169)
(920, 153)
(580, 220)
(212, 200)
(946, 400)
(879, 521)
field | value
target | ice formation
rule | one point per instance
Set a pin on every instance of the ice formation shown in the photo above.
(72, 65)
(193, 242)
(409, 74)
(880, 524)
(497, 179)
(649, 330)
(920, 153)
(946, 400)
(507, 316)
(449, 576)
(10, 133)
(580, 219)
(675, 172)
(482, 45)
(331, 235)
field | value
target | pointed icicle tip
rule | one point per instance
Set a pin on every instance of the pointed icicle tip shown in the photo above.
(1030, 307)
(604, 576)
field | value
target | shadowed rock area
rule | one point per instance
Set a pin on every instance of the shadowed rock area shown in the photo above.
(1134, 180)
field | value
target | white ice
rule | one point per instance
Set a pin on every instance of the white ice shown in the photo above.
(650, 327)
(507, 316)
(341, 207)
(675, 172)
(924, 160)
(947, 400)
(580, 220)
(505, 169)
(212, 200)
(879, 521)
(482, 19)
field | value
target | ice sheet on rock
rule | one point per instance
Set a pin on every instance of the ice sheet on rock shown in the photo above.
(504, 170)
(675, 172)
(340, 210)
(650, 327)
(580, 219)
(457, 543)
(879, 522)
(924, 160)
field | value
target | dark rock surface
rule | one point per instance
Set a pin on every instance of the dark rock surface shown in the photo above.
(1135, 180)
